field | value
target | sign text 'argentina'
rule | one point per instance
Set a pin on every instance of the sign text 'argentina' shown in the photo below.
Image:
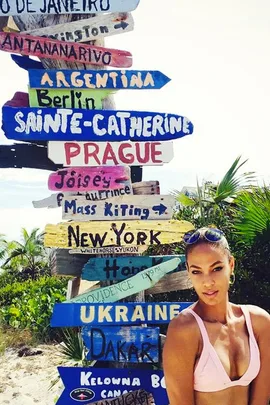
(60, 124)
(104, 233)
(12, 7)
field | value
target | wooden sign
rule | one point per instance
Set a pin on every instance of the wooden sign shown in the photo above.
(19, 7)
(61, 124)
(122, 344)
(139, 188)
(54, 49)
(104, 233)
(106, 384)
(83, 179)
(64, 98)
(141, 281)
(140, 397)
(87, 29)
(109, 250)
(94, 79)
(119, 208)
(110, 153)
(129, 313)
(121, 268)
(26, 63)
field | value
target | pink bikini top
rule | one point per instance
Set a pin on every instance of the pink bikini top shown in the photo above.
(209, 374)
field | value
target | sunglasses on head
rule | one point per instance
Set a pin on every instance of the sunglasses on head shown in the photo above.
(210, 234)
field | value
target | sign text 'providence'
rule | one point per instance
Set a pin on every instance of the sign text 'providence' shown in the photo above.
(92, 125)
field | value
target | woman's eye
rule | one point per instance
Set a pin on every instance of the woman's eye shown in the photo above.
(195, 272)
(218, 268)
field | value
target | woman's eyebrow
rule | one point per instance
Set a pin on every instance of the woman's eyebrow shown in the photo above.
(195, 267)
(217, 262)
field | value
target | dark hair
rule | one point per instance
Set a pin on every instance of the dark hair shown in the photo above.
(222, 243)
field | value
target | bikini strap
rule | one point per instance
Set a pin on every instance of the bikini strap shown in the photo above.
(248, 322)
(200, 324)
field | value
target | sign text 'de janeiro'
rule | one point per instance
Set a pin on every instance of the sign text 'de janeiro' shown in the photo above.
(110, 153)
(65, 98)
(101, 79)
(139, 188)
(121, 268)
(123, 344)
(11, 7)
(68, 235)
(119, 208)
(89, 178)
(129, 313)
(87, 29)
(59, 124)
(141, 281)
(71, 52)
(138, 397)
(109, 383)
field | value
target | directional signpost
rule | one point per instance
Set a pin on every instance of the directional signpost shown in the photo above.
(87, 29)
(95, 79)
(92, 125)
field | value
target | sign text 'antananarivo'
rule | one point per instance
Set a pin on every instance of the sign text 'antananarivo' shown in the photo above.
(64, 124)
(121, 268)
(141, 281)
(18, 7)
(71, 52)
(87, 29)
(70, 235)
(129, 313)
(123, 344)
(89, 178)
(110, 153)
(119, 208)
(101, 79)
(104, 384)
(65, 98)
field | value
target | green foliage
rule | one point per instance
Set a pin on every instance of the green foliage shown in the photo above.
(29, 305)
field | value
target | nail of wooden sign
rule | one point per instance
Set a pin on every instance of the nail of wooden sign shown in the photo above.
(115, 343)
(92, 125)
(71, 52)
(139, 188)
(140, 397)
(11, 7)
(119, 208)
(65, 98)
(110, 153)
(71, 235)
(87, 29)
(92, 79)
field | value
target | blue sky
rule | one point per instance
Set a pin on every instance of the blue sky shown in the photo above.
(217, 56)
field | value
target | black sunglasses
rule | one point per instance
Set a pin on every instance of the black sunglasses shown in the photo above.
(210, 234)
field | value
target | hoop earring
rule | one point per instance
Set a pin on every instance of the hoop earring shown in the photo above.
(232, 279)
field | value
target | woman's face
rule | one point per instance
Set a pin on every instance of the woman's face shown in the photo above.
(209, 269)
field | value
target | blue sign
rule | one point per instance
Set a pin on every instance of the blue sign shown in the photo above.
(26, 63)
(102, 383)
(65, 124)
(93, 79)
(134, 344)
(130, 313)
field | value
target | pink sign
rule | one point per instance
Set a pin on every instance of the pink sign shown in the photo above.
(89, 178)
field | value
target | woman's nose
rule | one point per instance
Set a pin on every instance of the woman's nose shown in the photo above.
(208, 281)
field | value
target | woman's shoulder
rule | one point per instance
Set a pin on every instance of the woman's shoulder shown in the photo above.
(184, 324)
(260, 319)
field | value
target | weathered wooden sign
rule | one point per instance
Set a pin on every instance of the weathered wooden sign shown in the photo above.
(123, 344)
(140, 397)
(104, 233)
(85, 99)
(19, 7)
(110, 153)
(87, 29)
(61, 124)
(141, 281)
(104, 384)
(92, 79)
(109, 250)
(93, 178)
(129, 313)
(121, 268)
(119, 208)
(139, 188)
(71, 52)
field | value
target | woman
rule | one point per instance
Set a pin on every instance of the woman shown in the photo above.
(216, 352)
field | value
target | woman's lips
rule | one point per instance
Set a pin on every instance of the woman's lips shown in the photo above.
(210, 293)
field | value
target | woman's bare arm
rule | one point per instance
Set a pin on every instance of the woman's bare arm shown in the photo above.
(179, 355)
(260, 387)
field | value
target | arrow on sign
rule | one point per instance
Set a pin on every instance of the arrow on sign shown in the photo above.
(122, 25)
(160, 208)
